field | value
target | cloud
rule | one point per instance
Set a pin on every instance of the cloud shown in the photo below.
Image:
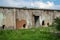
(42, 4)
(31, 4)
(17, 3)
(11, 2)
(56, 7)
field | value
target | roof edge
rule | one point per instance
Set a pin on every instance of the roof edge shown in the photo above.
(27, 8)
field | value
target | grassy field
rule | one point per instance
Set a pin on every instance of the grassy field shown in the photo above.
(29, 34)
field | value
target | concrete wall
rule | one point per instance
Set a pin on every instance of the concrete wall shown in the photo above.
(8, 18)
(24, 15)
(16, 18)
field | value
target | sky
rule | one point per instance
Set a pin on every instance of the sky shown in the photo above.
(46, 4)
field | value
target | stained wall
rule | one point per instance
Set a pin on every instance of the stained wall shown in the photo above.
(14, 18)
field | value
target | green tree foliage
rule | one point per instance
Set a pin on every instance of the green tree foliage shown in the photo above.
(57, 23)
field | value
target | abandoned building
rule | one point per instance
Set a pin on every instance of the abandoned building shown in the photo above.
(16, 18)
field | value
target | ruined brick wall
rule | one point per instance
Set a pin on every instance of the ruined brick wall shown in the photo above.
(47, 15)
(20, 23)
(16, 18)
(24, 15)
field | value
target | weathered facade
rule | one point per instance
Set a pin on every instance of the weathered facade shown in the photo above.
(16, 18)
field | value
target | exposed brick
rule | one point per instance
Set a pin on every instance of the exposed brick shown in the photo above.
(19, 24)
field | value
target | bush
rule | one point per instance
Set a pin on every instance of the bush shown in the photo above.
(57, 23)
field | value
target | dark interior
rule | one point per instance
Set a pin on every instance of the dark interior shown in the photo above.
(24, 25)
(3, 26)
(43, 23)
(36, 18)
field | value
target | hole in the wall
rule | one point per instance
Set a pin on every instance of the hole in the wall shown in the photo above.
(48, 24)
(20, 23)
(3, 26)
(43, 22)
(24, 25)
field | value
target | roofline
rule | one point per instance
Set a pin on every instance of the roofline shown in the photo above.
(28, 8)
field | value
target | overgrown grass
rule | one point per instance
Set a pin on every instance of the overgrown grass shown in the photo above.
(28, 34)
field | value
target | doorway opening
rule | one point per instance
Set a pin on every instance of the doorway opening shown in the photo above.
(36, 19)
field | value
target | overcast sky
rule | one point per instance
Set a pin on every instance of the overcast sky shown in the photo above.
(50, 4)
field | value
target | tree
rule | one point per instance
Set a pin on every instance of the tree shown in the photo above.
(57, 23)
